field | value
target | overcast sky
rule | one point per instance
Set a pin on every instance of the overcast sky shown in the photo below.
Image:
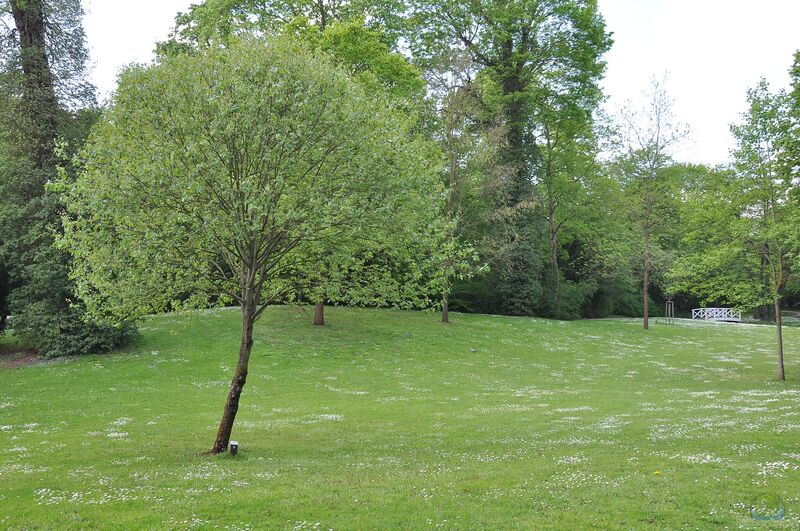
(711, 50)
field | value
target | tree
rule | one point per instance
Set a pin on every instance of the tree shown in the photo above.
(210, 177)
(524, 48)
(39, 97)
(331, 275)
(567, 173)
(648, 136)
(217, 21)
(743, 223)
(372, 64)
(45, 101)
(470, 142)
(765, 199)
(44, 56)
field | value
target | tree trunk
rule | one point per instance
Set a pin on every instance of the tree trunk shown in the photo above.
(553, 246)
(514, 155)
(237, 383)
(646, 298)
(319, 313)
(39, 94)
(445, 306)
(779, 338)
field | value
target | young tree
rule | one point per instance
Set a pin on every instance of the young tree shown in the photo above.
(218, 174)
(470, 142)
(743, 224)
(765, 199)
(648, 137)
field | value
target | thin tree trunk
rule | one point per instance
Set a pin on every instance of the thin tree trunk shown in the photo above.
(445, 305)
(551, 208)
(237, 383)
(553, 247)
(646, 298)
(319, 313)
(779, 338)
(555, 279)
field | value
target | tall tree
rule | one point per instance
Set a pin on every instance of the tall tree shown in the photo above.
(44, 99)
(524, 47)
(210, 176)
(567, 172)
(648, 137)
(39, 96)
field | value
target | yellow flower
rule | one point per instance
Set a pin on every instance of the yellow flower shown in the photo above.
(657, 472)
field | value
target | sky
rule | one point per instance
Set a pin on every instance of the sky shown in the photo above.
(120, 32)
(710, 51)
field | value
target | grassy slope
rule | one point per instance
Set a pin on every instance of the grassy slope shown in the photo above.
(390, 419)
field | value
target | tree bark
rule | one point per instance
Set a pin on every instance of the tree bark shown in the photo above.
(319, 313)
(237, 383)
(445, 306)
(514, 150)
(39, 93)
(779, 338)
(553, 244)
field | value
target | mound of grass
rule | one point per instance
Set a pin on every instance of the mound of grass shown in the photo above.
(389, 419)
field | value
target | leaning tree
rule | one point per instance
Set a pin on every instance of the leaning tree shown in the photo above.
(216, 176)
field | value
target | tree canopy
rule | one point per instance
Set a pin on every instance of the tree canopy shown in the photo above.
(209, 180)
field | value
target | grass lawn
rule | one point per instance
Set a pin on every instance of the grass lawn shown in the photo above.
(389, 419)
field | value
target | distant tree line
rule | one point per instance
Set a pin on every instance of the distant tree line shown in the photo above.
(547, 207)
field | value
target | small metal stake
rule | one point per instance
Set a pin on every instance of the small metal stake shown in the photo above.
(670, 313)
